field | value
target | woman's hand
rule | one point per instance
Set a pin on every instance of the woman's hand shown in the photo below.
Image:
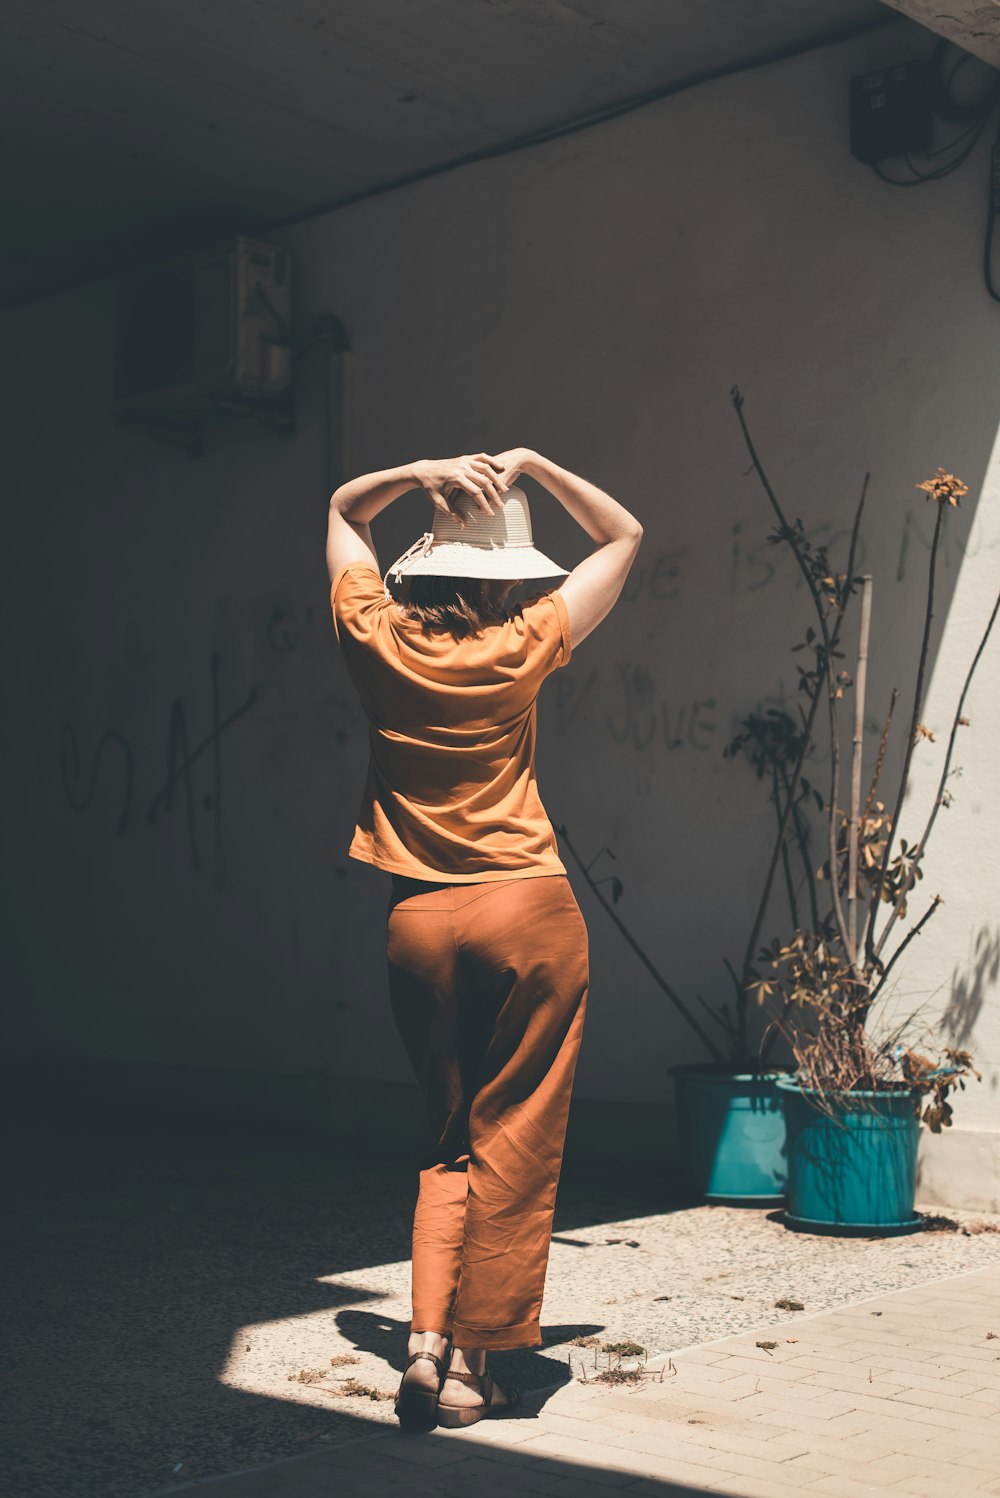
(476, 474)
(514, 461)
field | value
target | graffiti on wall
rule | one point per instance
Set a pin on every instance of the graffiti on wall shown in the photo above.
(194, 772)
(624, 704)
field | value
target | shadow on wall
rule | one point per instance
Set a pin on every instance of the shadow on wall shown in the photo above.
(970, 984)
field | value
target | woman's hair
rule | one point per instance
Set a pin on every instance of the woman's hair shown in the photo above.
(461, 605)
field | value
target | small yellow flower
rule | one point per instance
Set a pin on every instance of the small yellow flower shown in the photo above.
(944, 488)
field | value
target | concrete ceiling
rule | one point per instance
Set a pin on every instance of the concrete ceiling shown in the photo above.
(134, 129)
(972, 24)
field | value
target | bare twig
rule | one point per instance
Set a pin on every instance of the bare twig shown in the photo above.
(762, 904)
(914, 931)
(956, 722)
(838, 908)
(854, 830)
(785, 527)
(829, 643)
(880, 757)
(872, 902)
(802, 840)
(654, 972)
(786, 865)
(872, 949)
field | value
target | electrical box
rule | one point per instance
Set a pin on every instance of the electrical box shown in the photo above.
(891, 112)
(205, 334)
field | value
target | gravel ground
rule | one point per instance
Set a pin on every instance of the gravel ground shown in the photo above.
(175, 1301)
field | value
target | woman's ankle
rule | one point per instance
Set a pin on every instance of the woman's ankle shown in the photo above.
(428, 1341)
(468, 1359)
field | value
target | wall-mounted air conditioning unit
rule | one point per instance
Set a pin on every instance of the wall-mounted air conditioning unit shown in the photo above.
(202, 335)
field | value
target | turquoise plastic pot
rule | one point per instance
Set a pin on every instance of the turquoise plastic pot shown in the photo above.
(731, 1132)
(857, 1175)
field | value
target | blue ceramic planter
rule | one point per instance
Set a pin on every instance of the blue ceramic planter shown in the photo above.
(731, 1132)
(856, 1174)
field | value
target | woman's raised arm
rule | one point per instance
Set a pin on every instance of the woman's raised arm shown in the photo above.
(592, 588)
(475, 473)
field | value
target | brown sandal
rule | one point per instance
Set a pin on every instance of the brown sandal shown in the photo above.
(416, 1405)
(456, 1415)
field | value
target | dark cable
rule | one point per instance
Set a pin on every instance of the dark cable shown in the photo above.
(992, 207)
(945, 170)
(945, 107)
(943, 102)
(948, 167)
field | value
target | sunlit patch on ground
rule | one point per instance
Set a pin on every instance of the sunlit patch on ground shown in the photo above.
(657, 1283)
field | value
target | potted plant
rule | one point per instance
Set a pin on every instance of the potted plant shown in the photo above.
(730, 1118)
(854, 1107)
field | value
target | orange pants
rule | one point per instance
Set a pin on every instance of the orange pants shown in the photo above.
(488, 985)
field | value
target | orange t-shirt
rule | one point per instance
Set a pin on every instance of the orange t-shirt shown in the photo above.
(451, 792)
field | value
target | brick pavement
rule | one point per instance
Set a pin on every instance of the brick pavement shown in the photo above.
(893, 1397)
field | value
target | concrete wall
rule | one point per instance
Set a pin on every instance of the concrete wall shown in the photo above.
(594, 298)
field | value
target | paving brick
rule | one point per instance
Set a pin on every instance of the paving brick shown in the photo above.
(619, 1423)
(765, 1423)
(931, 1487)
(490, 1433)
(425, 1450)
(737, 1486)
(924, 1355)
(504, 1456)
(974, 1368)
(784, 1352)
(564, 1456)
(670, 1409)
(807, 1364)
(904, 1363)
(356, 1479)
(782, 1371)
(372, 1483)
(908, 1379)
(829, 1404)
(861, 1446)
(680, 1405)
(970, 1352)
(703, 1357)
(606, 1436)
(895, 1470)
(841, 1486)
(692, 1382)
(618, 1468)
(849, 1423)
(797, 1393)
(932, 1400)
(800, 1471)
(776, 1449)
(871, 1348)
(229, 1487)
(750, 1419)
(960, 1451)
(990, 1398)
(711, 1373)
(852, 1383)
(485, 1479)
(919, 1415)
(896, 1434)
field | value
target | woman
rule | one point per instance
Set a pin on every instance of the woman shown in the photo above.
(486, 946)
